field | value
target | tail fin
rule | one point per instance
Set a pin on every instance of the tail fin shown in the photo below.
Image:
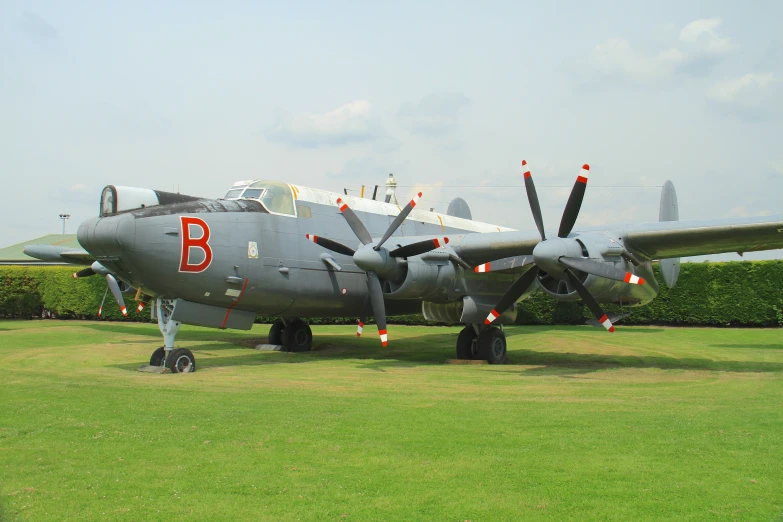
(459, 208)
(670, 268)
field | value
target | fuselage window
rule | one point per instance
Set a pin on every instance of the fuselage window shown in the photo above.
(233, 194)
(252, 193)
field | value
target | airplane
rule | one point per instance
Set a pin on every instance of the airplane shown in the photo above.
(280, 249)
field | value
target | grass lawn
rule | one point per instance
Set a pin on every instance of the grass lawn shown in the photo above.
(645, 423)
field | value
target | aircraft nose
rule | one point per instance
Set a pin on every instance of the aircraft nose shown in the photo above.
(109, 236)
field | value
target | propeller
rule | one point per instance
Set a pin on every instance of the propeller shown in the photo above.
(552, 255)
(111, 283)
(376, 261)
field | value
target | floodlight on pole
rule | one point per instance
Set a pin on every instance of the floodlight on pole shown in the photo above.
(63, 217)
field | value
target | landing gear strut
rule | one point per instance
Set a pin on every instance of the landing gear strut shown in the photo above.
(488, 344)
(177, 360)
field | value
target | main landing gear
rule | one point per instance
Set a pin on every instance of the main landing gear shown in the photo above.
(177, 360)
(293, 334)
(476, 344)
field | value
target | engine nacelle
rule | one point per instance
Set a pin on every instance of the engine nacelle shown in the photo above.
(429, 277)
(606, 250)
(115, 199)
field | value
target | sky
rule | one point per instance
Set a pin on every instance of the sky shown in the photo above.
(449, 97)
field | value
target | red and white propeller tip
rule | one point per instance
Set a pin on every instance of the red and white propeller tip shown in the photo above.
(359, 328)
(312, 237)
(140, 307)
(633, 279)
(582, 178)
(341, 204)
(415, 200)
(481, 268)
(384, 337)
(440, 241)
(124, 311)
(606, 323)
(491, 317)
(525, 169)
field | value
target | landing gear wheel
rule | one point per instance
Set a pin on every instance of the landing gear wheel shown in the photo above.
(276, 332)
(297, 337)
(465, 343)
(492, 346)
(158, 356)
(181, 360)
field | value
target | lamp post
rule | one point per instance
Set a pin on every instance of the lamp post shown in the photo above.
(64, 217)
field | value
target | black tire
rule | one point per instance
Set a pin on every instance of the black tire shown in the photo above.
(492, 346)
(158, 356)
(465, 343)
(181, 360)
(276, 332)
(297, 337)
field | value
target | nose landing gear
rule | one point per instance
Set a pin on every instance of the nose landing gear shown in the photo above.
(176, 360)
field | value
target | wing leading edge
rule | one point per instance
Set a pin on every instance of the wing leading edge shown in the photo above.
(671, 239)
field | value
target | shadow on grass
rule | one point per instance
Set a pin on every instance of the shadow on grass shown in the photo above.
(549, 362)
(752, 346)
(435, 349)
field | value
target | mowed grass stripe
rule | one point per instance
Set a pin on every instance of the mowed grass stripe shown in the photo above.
(648, 423)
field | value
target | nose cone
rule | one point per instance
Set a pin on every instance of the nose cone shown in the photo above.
(547, 253)
(109, 236)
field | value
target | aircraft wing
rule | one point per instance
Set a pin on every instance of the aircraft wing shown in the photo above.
(58, 254)
(480, 248)
(671, 239)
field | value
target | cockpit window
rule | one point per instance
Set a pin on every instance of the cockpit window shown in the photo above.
(252, 193)
(277, 197)
(233, 193)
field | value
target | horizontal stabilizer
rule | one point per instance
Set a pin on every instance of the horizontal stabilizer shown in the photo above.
(59, 254)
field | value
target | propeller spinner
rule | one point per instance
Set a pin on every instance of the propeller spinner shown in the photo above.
(552, 255)
(375, 260)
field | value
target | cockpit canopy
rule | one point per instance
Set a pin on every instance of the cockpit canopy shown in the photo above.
(275, 196)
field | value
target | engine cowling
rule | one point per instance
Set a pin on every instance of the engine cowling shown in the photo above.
(600, 247)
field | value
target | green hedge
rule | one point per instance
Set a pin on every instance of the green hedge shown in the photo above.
(746, 293)
(50, 291)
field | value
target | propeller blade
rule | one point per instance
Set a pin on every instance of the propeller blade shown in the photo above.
(589, 300)
(574, 203)
(507, 263)
(514, 292)
(532, 198)
(366, 310)
(398, 221)
(354, 222)
(85, 272)
(334, 246)
(378, 306)
(422, 247)
(100, 309)
(600, 269)
(141, 306)
(115, 291)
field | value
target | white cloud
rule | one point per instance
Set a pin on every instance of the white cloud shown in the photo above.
(434, 115)
(702, 36)
(617, 56)
(749, 92)
(699, 46)
(353, 122)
